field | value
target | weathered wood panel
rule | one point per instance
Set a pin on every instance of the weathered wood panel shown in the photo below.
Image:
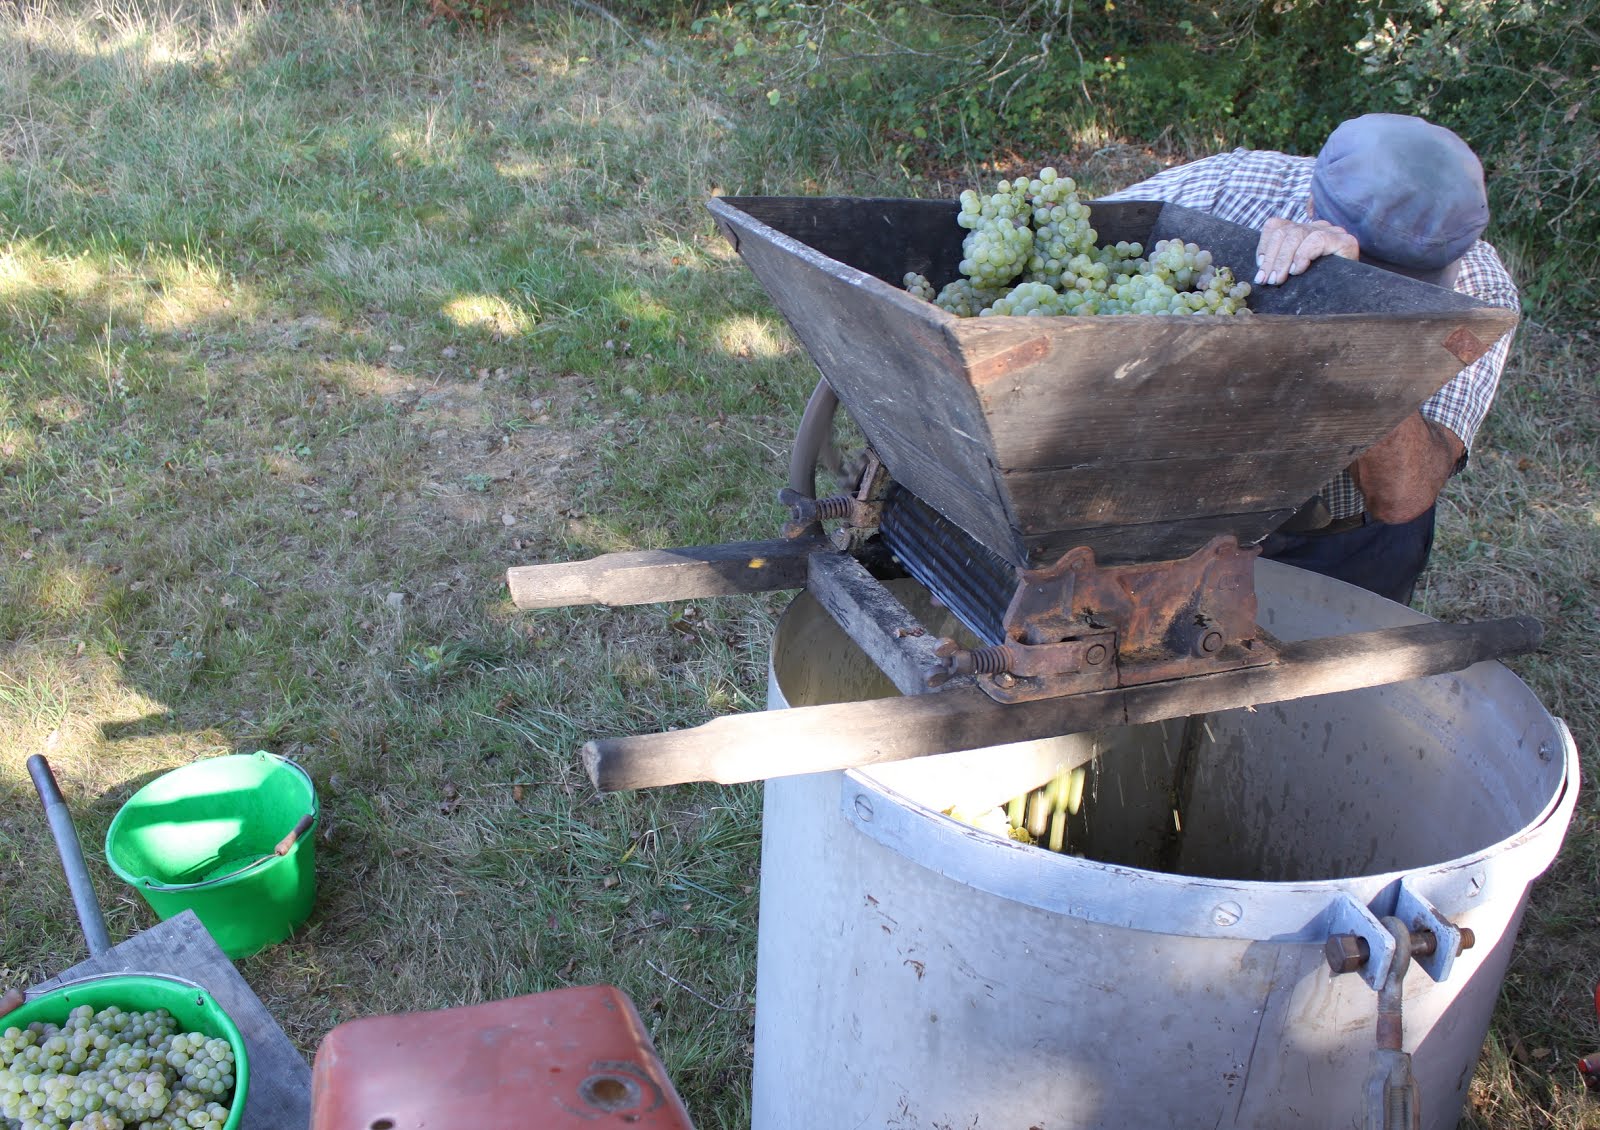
(1152, 541)
(888, 355)
(1113, 493)
(1317, 385)
(872, 617)
(1327, 365)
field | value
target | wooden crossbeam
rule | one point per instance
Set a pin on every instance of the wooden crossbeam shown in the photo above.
(871, 616)
(651, 576)
(810, 739)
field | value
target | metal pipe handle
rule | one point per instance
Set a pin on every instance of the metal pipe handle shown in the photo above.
(77, 872)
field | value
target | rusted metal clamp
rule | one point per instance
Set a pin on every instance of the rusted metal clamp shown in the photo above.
(1347, 953)
(861, 511)
(1018, 672)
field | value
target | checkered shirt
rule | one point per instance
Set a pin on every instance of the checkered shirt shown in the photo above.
(1250, 187)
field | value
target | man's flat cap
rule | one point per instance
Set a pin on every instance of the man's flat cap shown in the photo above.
(1410, 192)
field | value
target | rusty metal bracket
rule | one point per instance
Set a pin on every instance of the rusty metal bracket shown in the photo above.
(1157, 621)
(1019, 672)
(860, 512)
(1363, 943)
(1359, 943)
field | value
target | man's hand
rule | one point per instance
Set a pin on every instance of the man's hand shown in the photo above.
(1287, 248)
(1402, 474)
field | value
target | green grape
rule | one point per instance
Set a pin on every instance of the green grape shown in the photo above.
(1031, 250)
(917, 285)
(112, 1070)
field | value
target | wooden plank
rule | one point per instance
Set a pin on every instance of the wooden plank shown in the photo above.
(1119, 494)
(889, 356)
(871, 616)
(279, 1093)
(651, 576)
(1191, 386)
(810, 739)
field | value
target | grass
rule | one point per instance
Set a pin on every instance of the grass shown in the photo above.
(316, 318)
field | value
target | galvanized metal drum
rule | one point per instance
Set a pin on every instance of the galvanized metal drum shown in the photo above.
(916, 972)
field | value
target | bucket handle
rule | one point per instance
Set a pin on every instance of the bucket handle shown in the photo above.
(16, 998)
(301, 827)
(90, 917)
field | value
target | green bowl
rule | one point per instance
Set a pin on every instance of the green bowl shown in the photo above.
(192, 1007)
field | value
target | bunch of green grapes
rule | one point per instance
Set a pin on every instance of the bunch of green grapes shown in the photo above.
(961, 297)
(1061, 226)
(999, 239)
(1029, 299)
(113, 1070)
(1031, 250)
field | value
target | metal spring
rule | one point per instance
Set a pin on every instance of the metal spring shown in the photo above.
(991, 660)
(837, 506)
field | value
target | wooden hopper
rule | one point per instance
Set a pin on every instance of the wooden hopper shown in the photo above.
(1141, 437)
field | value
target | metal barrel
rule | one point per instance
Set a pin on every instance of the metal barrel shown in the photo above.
(913, 970)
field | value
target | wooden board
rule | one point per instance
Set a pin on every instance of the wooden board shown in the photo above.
(279, 1095)
(650, 576)
(1151, 541)
(1007, 425)
(874, 619)
(888, 356)
(811, 739)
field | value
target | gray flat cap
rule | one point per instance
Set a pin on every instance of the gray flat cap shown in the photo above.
(1410, 192)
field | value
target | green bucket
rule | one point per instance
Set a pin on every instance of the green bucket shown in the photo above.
(192, 1007)
(202, 838)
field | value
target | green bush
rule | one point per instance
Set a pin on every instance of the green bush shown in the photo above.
(1521, 82)
(953, 80)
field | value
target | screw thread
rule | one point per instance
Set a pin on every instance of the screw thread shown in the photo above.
(838, 506)
(991, 660)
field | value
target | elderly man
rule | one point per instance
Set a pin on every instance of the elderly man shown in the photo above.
(1405, 195)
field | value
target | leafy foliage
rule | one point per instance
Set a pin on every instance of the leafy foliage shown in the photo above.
(954, 80)
(1520, 81)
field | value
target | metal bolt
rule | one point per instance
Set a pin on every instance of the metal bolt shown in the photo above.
(1226, 913)
(863, 806)
(1096, 654)
(1005, 680)
(802, 508)
(1346, 953)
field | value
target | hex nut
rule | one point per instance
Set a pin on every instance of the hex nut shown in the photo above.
(1346, 953)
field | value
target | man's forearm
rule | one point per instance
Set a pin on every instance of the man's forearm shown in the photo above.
(1402, 474)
